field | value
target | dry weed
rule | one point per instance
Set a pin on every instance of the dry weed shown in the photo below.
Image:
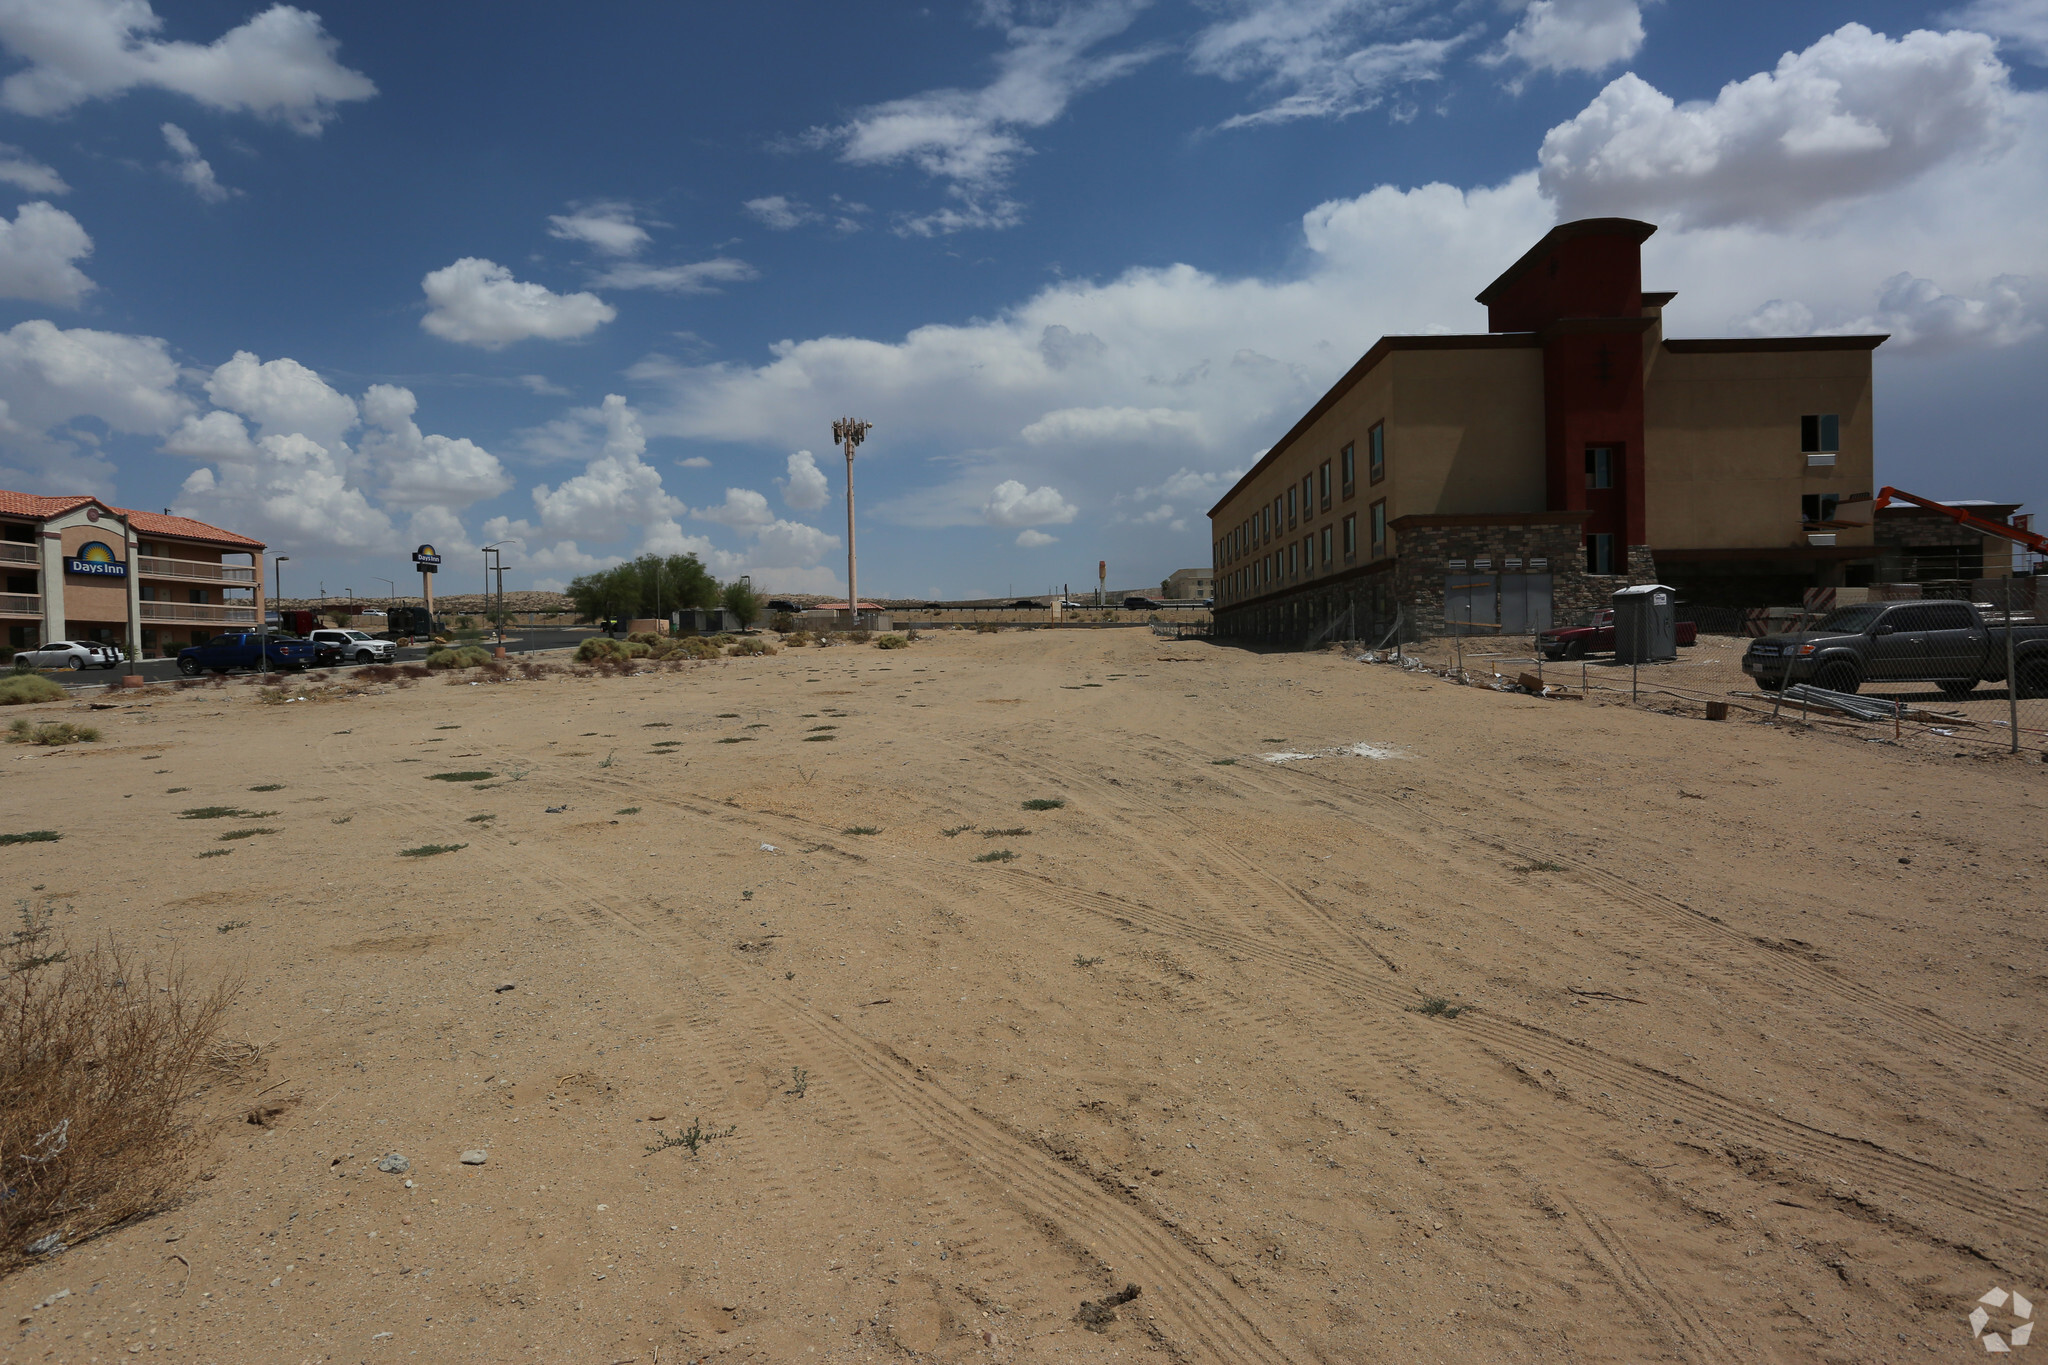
(99, 1054)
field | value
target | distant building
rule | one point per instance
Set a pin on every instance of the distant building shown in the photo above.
(1520, 476)
(1188, 583)
(81, 569)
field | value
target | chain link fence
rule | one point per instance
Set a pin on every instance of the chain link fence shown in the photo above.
(1937, 678)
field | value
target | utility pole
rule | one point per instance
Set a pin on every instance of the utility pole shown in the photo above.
(263, 626)
(850, 433)
(499, 614)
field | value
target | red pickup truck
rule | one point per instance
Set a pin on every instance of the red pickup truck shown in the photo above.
(1595, 636)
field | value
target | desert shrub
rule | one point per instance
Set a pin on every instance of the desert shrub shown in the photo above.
(415, 671)
(695, 647)
(750, 648)
(638, 649)
(23, 688)
(469, 656)
(857, 637)
(782, 623)
(52, 732)
(535, 669)
(376, 673)
(599, 647)
(797, 639)
(644, 637)
(891, 642)
(99, 1053)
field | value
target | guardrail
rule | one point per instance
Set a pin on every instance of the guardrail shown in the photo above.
(202, 569)
(198, 611)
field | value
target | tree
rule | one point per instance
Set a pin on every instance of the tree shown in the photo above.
(741, 602)
(648, 586)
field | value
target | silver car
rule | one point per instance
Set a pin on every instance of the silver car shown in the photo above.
(72, 654)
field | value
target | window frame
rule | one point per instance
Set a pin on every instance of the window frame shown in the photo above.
(1600, 463)
(1376, 454)
(1348, 469)
(1350, 537)
(1290, 504)
(1814, 438)
(1377, 528)
(1329, 538)
(1323, 485)
(1596, 541)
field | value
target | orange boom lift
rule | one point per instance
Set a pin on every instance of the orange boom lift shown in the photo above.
(2038, 544)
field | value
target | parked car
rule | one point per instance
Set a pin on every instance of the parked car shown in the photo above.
(1947, 643)
(783, 604)
(354, 645)
(1025, 603)
(1136, 603)
(246, 649)
(72, 654)
(1595, 635)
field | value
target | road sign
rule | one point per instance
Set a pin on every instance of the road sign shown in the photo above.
(427, 558)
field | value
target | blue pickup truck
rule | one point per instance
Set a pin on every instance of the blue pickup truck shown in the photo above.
(246, 649)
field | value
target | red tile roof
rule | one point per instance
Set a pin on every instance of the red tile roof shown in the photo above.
(146, 523)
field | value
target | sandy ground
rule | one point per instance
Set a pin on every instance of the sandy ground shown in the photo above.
(1749, 1066)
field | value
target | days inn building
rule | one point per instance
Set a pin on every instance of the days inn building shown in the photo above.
(78, 568)
(1517, 477)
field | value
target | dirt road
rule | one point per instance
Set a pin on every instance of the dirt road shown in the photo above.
(1477, 1028)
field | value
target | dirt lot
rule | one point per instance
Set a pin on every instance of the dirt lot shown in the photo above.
(1737, 1053)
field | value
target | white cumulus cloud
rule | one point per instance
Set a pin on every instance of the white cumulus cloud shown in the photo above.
(419, 469)
(1574, 35)
(37, 251)
(478, 303)
(1114, 425)
(282, 396)
(278, 65)
(743, 507)
(1012, 504)
(1852, 115)
(290, 489)
(1032, 540)
(616, 492)
(805, 489)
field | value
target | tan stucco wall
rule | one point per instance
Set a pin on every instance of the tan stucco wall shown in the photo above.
(1466, 434)
(95, 600)
(1721, 445)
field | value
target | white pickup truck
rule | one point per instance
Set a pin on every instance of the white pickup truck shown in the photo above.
(354, 646)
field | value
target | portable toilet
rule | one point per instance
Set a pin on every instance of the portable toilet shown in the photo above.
(1645, 624)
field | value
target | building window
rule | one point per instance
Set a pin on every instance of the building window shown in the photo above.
(1820, 434)
(1818, 506)
(200, 637)
(1308, 496)
(1600, 553)
(1324, 486)
(1351, 537)
(1348, 468)
(199, 596)
(1293, 564)
(1376, 453)
(1290, 505)
(1379, 529)
(1326, 547)
(1599, 466)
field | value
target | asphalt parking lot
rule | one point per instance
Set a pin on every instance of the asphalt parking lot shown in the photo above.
(527, 641)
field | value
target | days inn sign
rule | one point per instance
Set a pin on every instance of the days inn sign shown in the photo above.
(95, 560)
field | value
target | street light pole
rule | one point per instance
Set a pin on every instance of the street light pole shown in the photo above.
(263, 626)
(850, 433)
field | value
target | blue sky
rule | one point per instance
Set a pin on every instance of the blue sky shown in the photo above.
(597, 279)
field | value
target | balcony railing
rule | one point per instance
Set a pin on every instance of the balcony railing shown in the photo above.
(20, 604)
(198, 611)
(206, 570)
(14, 552)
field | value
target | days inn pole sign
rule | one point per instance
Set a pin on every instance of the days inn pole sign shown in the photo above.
(95, 560)
(428, 559)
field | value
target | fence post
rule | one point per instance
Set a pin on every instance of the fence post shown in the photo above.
(2012, 681)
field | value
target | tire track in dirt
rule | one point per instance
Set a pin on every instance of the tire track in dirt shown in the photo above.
(957, 1145)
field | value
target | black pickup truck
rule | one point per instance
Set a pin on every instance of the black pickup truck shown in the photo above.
(1949, 643)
